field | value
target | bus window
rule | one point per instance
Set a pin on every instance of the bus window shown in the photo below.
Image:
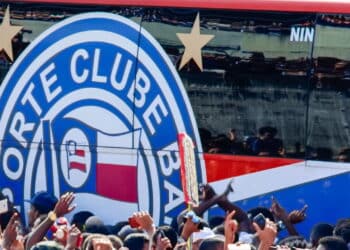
(35, 19)
(250, 96)
(328, 134)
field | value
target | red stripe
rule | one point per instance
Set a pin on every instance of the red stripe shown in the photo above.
(80, 152)
(117, 182)
(77, 165)
(328, 6)
(219, 167)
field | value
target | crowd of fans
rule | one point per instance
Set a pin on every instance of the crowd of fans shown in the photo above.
(265, 143)
(258, 228)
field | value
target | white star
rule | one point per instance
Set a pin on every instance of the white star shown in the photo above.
(7, 33)
(193, 42)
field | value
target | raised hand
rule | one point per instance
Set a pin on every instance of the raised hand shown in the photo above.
(10, 232)
(191, 225)
(163, 243)
(64, 204)
(230, 227)
(278, 211)
(229, 188)
(280, 214)
(267, 235)
(73, 238)
(297, 216)
(145, 221)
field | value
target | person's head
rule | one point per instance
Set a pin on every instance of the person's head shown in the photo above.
(232, 134)
(294, 241)
(80, 218)
(332, 243)
(267, 132)
(243, 246)
(116, 241)
(342, 229)
(47, 245)
(216, 221)
(95, 225)
(41, 203)
(126, 230)
(199, 237)
(213, 243)
(137, 241)
(115, 229)
(97, 241)
(220, 229)
(344, 155)
(165, 231)
(318, 231)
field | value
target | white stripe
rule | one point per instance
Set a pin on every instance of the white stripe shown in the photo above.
(115, 149)
(102, 207)
(78, 159)
(250, 185)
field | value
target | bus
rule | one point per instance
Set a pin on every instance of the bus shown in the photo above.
(94, 93)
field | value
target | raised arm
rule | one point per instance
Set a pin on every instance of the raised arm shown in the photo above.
(267, 235)
(280, 214)
(231, 227)
(63, 206)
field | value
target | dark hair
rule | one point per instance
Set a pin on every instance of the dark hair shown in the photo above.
(116, 241)
(265, 211)
(168, 232)
(333, 243)
(126, 230)
(220, 229)
(95, 225)
(213, 243)
(268, 129)
(342, 229)
(80, 218)
(318, 231)
(136, 241)
(294, 241)
(118, 226)
(346, 153)
(47, 245)
(216, 221)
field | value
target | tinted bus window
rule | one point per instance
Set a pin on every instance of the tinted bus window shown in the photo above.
(328, 123)
(35, 19)
(255, 77)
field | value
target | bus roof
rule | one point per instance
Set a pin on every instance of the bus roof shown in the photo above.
(320, 6)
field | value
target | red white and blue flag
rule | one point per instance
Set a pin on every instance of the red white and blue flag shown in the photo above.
(116, 165)
(75, 156)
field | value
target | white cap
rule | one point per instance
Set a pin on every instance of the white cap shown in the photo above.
(239, 246)
(204, 233)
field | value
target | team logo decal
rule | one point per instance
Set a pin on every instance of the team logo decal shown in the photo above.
(94, 106)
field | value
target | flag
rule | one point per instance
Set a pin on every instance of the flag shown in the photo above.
(75, 156)
(188, 169)
(116, 168)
